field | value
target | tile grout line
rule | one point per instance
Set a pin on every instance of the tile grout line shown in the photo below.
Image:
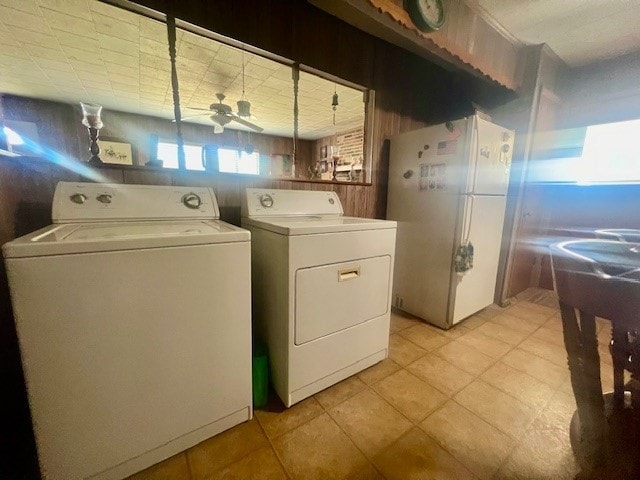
(417, 423)
(370, 460)
(540, 412)
(442, 445)
(273, 448)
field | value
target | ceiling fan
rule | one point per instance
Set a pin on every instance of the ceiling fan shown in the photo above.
(221, 114)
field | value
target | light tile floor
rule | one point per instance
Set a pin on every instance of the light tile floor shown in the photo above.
(490, 398)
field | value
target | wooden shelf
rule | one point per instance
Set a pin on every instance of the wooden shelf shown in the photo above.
(39, 161)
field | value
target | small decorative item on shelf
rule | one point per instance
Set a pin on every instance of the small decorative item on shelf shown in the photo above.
(335, 157)
(116, 152)
(91, 119)
(314, 173)
(153, 152)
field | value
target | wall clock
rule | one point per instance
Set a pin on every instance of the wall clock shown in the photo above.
(427, 15)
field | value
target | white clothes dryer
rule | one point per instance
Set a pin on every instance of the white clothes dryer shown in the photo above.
(321, 287)
(134, 323)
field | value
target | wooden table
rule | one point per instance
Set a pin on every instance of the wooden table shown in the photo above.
(599, 278)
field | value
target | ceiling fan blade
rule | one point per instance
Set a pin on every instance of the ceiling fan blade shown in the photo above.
(242, 121)
(198, 108)
(191, 116)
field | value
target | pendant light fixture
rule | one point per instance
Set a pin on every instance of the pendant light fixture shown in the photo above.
(334, 103)
(244, 107)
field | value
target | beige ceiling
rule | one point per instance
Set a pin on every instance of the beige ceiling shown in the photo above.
(85, 50)
(578, 31)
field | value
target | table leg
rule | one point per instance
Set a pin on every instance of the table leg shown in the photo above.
(571, 333)
(584, 367)
(591, 372)
(619, 354)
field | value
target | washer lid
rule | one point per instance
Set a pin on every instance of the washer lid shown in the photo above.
(315, 224)
(104, 237)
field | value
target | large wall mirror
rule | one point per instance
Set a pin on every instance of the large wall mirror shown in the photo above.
(243, 110)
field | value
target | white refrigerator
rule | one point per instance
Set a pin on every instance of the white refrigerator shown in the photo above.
(447, 191)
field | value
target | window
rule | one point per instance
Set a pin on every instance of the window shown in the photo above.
(21, 138)
(13, 138)
(238, 161)
(611, 154)
(168, 153)
(230, 160)
(597, 154)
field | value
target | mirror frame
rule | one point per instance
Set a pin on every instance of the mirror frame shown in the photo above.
(369, 109)
(369, 98)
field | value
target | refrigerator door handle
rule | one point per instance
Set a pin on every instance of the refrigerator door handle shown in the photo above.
(472, 178)
(466, 223)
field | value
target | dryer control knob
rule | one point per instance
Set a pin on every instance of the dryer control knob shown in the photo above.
(78, 198)
(104, 198)
(266, 200)
(192, 200)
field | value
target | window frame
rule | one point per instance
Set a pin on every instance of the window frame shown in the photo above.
(237, 150)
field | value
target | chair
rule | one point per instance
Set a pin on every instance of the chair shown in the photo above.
(625, 344)
(598, 278)
(619, 234)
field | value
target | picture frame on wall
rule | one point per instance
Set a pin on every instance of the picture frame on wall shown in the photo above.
(281, 165)
(323, 152)
(22, 138)
(115, 151)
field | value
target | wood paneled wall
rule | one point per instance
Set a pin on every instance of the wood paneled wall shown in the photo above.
(606, 92)
(534, 112)
(410, 93)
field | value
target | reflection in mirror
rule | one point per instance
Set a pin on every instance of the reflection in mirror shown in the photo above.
(236, 100)
(55, 56)
(331, 119)
(236, 108)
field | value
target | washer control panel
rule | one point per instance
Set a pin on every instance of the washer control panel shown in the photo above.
(262, 202)
(266, 200)
(77, 201)
(192, 200)
(78, 198)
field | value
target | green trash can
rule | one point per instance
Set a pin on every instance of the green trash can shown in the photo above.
(260, 375)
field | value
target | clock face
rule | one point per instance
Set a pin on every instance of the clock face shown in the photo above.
(431, 11)
(427, 15)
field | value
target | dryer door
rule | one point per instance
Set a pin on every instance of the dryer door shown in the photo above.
(331, 298)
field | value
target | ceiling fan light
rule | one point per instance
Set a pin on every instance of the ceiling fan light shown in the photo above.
(220, 119)
(244, 108)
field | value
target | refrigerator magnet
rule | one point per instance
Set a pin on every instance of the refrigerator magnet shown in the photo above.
(449, 147)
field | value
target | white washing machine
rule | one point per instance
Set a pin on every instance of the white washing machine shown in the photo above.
(133, 317)
(321, 287)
